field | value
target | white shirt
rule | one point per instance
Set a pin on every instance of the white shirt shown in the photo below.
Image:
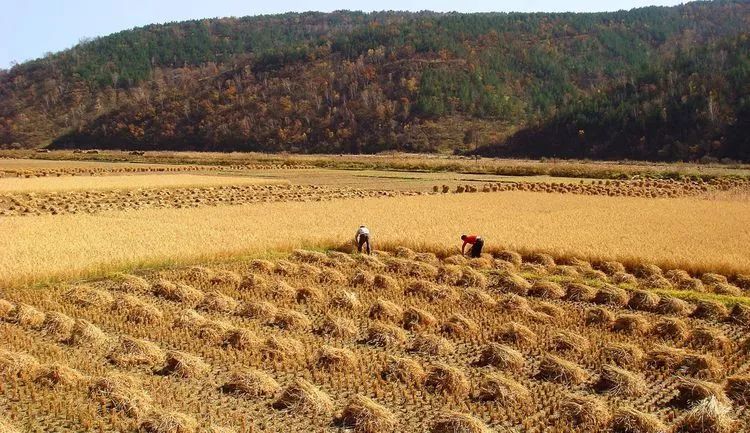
(362, 231)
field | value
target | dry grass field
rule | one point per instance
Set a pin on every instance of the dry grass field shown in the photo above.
(391, 343)
(134, 300)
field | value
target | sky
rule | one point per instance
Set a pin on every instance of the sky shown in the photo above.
(31, 28)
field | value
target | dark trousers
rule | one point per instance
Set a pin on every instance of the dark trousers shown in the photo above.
(476, 249)
(363, 240)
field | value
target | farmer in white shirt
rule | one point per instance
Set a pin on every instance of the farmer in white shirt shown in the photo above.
(361, 238)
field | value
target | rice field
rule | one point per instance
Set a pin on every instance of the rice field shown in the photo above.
(218, 298)
(398, 342)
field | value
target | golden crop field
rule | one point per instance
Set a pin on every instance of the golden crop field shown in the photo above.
(134, 300)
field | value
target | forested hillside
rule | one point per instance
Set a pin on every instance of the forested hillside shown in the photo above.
(652, 83)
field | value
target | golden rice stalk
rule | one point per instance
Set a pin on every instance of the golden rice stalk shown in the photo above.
(459, 326)
(430, 344)
(337, 327)
(503, 390)
(708, 416)
(383, 334)
(335, 359)
(502, 357)
(629, 420)
(184, 365)
(386, 311)
(404, 370)
(218, 302)
(130, 283)
(585, 412)
(555, 369)
(56, 374)
(86, 296)
(692, 391)
(417, 320)
(17, 364)
(623, 354)
(445, 379)
(26, 316)
(121, 393)
(137, 311)
(133, 351)
(58, 325)
(455, 422)
(177, 292)
(169, 422)
(616, 380)
(85, 333)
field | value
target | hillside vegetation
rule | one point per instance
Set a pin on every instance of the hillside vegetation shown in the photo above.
(654, 83)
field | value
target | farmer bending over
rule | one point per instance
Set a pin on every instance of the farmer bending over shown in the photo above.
(361, 238)
(476, 245)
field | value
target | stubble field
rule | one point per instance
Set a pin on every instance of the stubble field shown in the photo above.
(155, 304)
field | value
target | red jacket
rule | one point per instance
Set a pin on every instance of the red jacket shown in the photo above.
(471, 239)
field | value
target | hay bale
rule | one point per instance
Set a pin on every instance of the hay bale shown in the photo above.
(385, 282)
(666, 357)
(282, 348)
(337, 327)
(633, 324)
(457, 259)
(738, 389)
(674, 307)
(618, 381)
(502, 357)
(383, 334)
(177, 292)
(478, 297)
(503, 266)
(308, 294)
(429, 258)
(253, 282)
(241, 339)
(550, 310)
(701, 366)
(509, 282)
(430, 344)
(644, 300)
(593, 274)
(455, 422)
(676, 276)
(566, 271)
(612, 267)
(260, 310)
(599, 316)
(345, 300)
(543, 259)
(121, 393)
(362, 278)
(547, 289)
(471, 278)
(646, 271)
(85, 333)
(569, 341)
(251, 383)
(264, 266)
(445, 379)
(364, 415)
(130, 283)
(726, 289)
(285, 268)
(740, 314)
(514, 304)
(624, 278)
(449, 274)
(510, 256)
(505, 391)
(57, 325)
(711, 279)
(340, 258)
(404, 370)
(133, 351)
(137, 311)
(585, 412)
(5, 308)
(189, 319)
(415, 319)
(710, 310)
(25, 315)
(331, 276)
(168, 422)
(87, 296)
(742, 281)
(404, 253)
(459, 326)
(692, 391)
(708, 416)
(303, 396)
(17, 364)
(387, 311)
(623, 354)
(286, 318)
(579, 292)
(671, 328)
(305, 256)
(218, 302)
(484, 262)
(709, 338)
(656, 282)
(184, 365)
(281, 291)
(226, 278)
(430, 291)
(555, 369)
(7, 427)
(629, 420)
(198, 274)
(335, 359)
(516, 333)
(611, 295)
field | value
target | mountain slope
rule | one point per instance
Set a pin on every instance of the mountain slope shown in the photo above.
(354, 82)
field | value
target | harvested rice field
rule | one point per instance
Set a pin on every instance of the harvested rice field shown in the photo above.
(223, 295)
(395, 342)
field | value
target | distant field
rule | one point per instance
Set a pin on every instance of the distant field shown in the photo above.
(694, 234)
(14, 185)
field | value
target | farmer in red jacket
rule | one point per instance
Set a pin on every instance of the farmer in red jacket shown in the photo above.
(476, 245)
